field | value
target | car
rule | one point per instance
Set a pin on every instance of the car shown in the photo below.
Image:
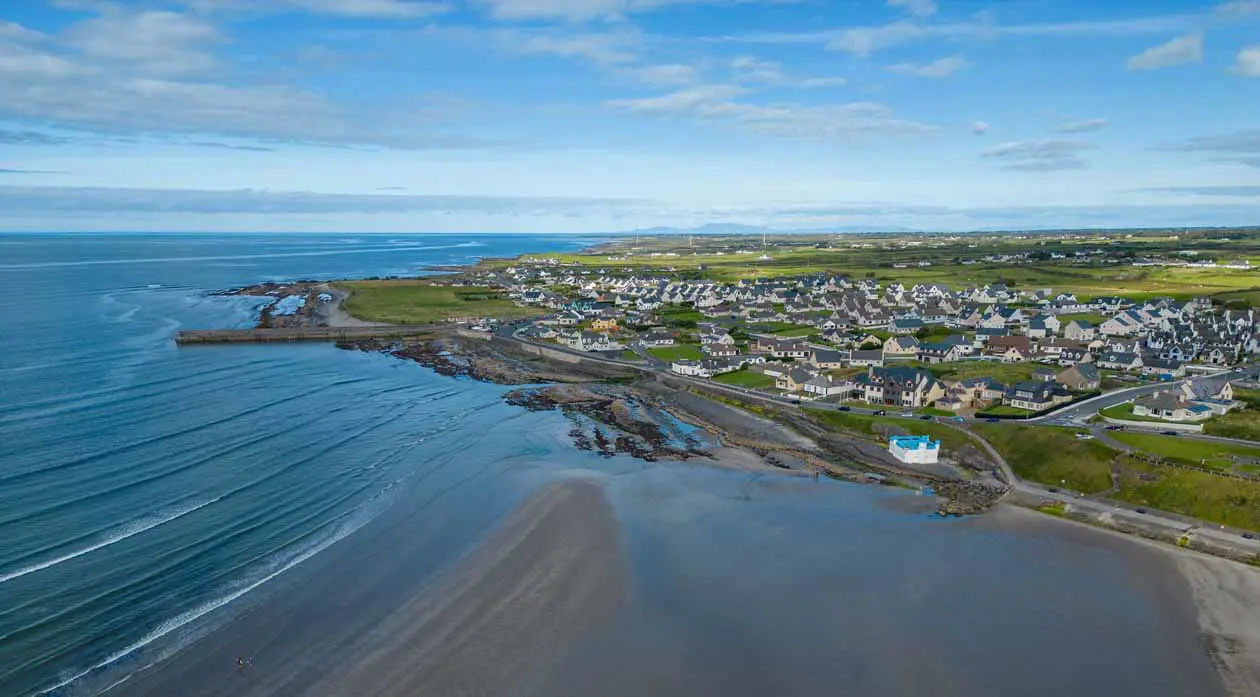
(1083, 436)
(844, 408)
(907, 415)
(993, 421)
(797, 402)
(1054, 489)
(1141, 510)
(1168, 433)
(926, 417)
(881, 412)
(1248, 536)
(958, 419)
(1115, 427)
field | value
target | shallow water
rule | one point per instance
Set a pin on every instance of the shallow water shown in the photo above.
(149, 494)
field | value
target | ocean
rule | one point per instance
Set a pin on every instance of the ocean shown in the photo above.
(150, 495)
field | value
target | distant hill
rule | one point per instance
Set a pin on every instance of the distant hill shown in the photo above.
(738, 229)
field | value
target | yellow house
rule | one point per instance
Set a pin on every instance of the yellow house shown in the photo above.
(604, 325)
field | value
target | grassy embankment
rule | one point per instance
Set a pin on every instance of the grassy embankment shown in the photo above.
(1225, 457)
(1052, 456)
(1240, 423)
(413, 301)
(1055, 457)
(877, 427)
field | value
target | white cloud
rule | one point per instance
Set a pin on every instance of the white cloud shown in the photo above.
(980, 128)
(918, 8)
(812, 82)
(1043, 155)
(156, 42)
(605, 48)
(1179, 51)
(383, 9)
(1081, 126)
(940, 68)
(863, 41)
(798, 121)
(10, 31)
(575, 10)
(752, 69)
(1238, 8)
(664, 75)
(1247, 62)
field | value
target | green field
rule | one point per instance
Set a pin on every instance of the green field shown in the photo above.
(1052, 456)
(1003, 410)
(1239, 423)
(785, 329)
(1209, 497)
(628, 355)
(687, 352)
(1091, 317)
(1190, 451)
(1005, 373)
(411, 301)
(746, 378)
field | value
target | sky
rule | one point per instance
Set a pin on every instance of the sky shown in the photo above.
(607, 115)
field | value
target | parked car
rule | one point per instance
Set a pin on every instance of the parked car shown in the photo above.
(881, 412)
(1083, 436)
(907, 415)
(1115, 427)
(1141, 510)
(1168, 433)
(844, 408)
(959, 419)
(1248, 536)
(993, 421)
(926, 417)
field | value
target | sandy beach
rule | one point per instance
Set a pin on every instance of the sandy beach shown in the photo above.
(551, 571)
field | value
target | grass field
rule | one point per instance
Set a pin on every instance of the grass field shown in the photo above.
(1052, 456)
(1189, 451)
(413, 301)
(1005, 373)
(1201, 495)
(745, 378)
(678, 352)
(1003, 410)
(1091, 317)
(875, 427)
(1244, 424)
(786, 329)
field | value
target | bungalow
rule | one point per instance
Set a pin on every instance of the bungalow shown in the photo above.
(864, 359)
(1171, 406)
(1080, 378)
(1044, 374)
(1163, 368)
(986, 334)
(720, 350)
(794, 379)
(657, 338)
(827, 358)
(906, 326)
(828, 386)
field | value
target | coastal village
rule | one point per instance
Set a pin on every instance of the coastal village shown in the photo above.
(991, 350)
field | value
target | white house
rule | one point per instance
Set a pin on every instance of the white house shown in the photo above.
(914, 449)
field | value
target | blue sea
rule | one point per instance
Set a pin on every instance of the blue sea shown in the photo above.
(150, 493)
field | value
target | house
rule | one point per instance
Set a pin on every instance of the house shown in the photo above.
(1079, 330)
(908, 388)
(901, 347)
(827, 359)
(1044, 374)
(1163, 368)
(794, 379)
(938, 352)
(720, 350)
(1119, 361)
(1080, 378)
(828, 386)
(1035, 396)
(914, 449)
(906, 326)
(864, 359)
(657, 338)
(608, 324)
(1170, 406)
(1075, 356)
(685, 367)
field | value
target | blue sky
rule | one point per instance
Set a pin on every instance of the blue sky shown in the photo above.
(602, 115)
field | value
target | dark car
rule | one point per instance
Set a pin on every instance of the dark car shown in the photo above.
(926, 417)
(1054, 489)
(843, 408)
(1113, 427)
(797, 402)
(1168, 433)
(1248, 536)
(881, 412)
(993, 421)
(1141, 510)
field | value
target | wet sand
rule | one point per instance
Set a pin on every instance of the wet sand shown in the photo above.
(552, 571)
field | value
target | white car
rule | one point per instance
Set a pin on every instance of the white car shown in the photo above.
(1083, 436)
